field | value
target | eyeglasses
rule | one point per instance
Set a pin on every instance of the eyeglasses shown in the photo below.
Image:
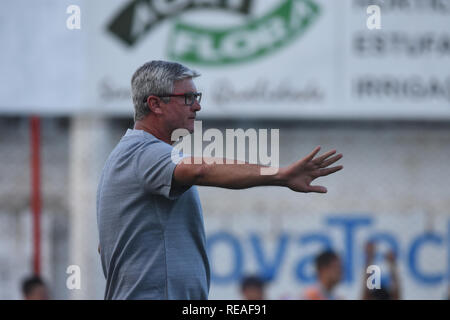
(189, 97)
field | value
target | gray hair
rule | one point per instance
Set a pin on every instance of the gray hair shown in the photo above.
(155, 78)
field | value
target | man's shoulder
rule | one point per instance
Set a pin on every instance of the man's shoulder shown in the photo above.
(135, 141)
(138, 136)
(143, 138)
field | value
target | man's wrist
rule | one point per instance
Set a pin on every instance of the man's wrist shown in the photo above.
(280, 178)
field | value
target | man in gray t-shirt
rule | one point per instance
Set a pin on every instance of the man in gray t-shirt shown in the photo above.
(152, 237)
(151, 233)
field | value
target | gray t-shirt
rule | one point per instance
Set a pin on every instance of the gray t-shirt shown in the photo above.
(152, 236)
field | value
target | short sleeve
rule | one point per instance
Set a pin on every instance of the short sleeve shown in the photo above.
(155, 164)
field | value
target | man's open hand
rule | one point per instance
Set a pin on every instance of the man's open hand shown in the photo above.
(299, 175)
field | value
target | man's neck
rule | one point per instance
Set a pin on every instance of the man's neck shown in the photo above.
(153, 130)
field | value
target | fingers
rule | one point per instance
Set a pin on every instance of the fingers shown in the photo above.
(310, 156)
(323, 172)
(318, 189)
(327, 171)
(320, 159)
(330, 161)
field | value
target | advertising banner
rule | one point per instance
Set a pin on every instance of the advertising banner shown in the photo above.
(281, 248)
(351, 59)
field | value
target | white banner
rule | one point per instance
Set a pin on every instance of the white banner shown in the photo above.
(261, 59)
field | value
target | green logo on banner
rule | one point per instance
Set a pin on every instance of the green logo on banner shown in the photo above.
(208, 46)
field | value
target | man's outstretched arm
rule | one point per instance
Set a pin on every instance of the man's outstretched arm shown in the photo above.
(297, 176)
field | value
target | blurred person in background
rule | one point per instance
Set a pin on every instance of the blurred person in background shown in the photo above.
(34, 288)
(329, 273)
(390, 285)
(253, 288)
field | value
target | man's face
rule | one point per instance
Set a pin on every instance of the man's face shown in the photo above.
(178, 115)
(334, 271)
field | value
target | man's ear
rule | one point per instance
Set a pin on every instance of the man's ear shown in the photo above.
(154, 104)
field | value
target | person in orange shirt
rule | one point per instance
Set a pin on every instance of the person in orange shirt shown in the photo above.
(329, 274)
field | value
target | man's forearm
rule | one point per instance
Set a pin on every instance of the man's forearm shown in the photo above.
(217, 172)
(296, 176)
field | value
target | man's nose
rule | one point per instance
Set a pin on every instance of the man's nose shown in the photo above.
(196, 106)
